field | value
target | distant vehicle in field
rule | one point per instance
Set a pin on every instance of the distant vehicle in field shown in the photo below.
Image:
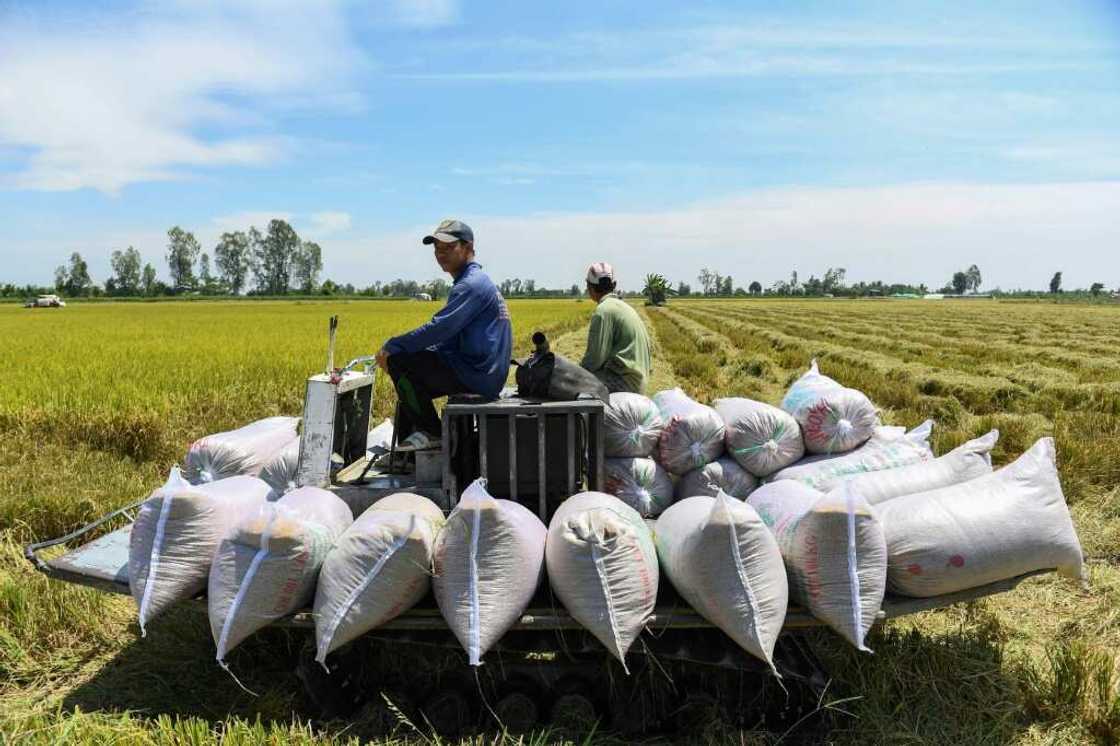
(422, 296)
(45, 301)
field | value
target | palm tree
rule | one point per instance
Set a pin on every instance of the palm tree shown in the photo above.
(657, 289)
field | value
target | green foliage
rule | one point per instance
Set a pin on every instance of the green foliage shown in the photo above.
(148, 280)
(232, 259)
(974, 278)
(960, 282)
(274, 257)
(126, 278)
(1077, 683)
(182, 252)
(657, 289)
(307, 263)
(73, 280)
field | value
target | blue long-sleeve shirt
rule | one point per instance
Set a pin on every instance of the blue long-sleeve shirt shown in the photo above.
(472, 333)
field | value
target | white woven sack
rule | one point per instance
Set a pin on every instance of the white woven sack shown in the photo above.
(244, 451)
(380, 438)
(280, 471)
(693, 434)
(1007, 523)
(266, 565)
(379, 568)
(641, 483)
(725, 563)
(967, 461)
(834, 550)
(602, 565)
(488, 561)
(722, 475)
(761, 437)
(833, 418)
(889, 448)
(631, 426)
(175, 534)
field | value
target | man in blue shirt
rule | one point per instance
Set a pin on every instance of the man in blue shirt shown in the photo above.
(464, 349)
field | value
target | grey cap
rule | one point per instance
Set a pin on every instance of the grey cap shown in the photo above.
(450, 230)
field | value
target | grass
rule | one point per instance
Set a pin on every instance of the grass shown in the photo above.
(98, 400)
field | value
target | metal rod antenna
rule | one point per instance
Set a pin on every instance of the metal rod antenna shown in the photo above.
(333, 329)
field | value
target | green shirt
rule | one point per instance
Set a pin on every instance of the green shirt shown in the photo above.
(618, 342)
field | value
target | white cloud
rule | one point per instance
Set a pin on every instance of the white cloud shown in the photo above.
(1089, 155)
(326, 224)
(761, 49)
(744, 65)
(419, 13)
(158, 93)
(243, 221)
(1018, 234)
(316, 225)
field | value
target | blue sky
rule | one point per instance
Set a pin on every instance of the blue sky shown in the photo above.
(899, 140)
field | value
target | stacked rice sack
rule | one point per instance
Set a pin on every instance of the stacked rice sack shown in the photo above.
(693, 434)
(761, 438)
(602, 565)
(267, 565)
(887, 448)
(833, 418)
(632, 426)
(834, 550)
(724, 562)
(179, 527)
(965, 462)
(746, 522)
(176, 533)
(641, 483)
(379, 568)
(632, 429)
(488, 561)
(244, 451)
(280, 471)
(722, 475)
(996, 526)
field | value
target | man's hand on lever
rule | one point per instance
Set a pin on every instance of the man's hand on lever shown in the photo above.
(383, 359)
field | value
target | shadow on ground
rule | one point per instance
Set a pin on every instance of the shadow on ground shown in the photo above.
(926, 688)
(173, 671)
(952, 688)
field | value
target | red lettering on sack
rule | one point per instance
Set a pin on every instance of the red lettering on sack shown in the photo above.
(812, 568)
(815, 420)
(291, 585)
(956, 561)
(914, 569)
(647, 586)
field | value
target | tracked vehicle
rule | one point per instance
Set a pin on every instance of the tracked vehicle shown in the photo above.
(547, 670)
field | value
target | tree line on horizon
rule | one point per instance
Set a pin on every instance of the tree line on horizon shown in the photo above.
(278, 262)
(831, 284)
(273, 262)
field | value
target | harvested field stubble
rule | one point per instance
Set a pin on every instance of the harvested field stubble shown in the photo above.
(972, 367)
(98, 400)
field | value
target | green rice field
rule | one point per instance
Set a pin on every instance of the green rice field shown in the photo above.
(97, 401)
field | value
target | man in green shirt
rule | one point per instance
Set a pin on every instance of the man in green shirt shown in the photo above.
(618, 350)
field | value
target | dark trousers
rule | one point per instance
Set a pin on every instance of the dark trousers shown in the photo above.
(420, 377)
